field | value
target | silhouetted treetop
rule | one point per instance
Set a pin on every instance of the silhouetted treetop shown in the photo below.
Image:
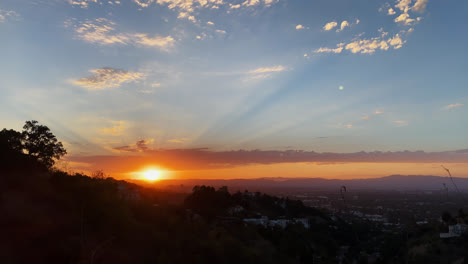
(11, 140)
(35, 141)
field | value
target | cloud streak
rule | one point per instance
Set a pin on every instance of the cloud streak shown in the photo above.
(102, 31)
(190, 159)
(6, 15)
(106, 78)
(187, 9)
(451, 106)
(367, 46)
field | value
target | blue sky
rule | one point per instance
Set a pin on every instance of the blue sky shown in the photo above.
(329, 76)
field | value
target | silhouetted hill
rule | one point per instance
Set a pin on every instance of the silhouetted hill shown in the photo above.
(393, 182)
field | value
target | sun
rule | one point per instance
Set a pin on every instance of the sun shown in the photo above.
(152, 175)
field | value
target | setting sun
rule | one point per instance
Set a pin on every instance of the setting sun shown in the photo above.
(152, 175)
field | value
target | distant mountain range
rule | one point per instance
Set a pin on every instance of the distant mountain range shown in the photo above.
(393, 182)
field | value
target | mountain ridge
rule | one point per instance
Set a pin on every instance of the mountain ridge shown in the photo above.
(391, 182)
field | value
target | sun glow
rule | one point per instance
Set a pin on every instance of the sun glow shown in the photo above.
(152, 175)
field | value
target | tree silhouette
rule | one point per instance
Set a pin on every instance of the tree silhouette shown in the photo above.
(11, 140)
(41, 144)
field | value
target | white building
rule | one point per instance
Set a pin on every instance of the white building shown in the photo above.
(455, 231)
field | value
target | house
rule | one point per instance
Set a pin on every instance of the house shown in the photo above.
(257, 221)
(128, 192)
(455, 231)
(235, 209)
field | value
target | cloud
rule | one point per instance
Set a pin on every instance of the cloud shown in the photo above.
(163, 43)
(381, 42)
(210, 23)
(451, 106)
(139, 146)
(105, 78)
(278, 68)
(264, 72)
(101, 31)
(367, 46)
(400, 123)
(299, 27)
(338, 49)
(420, 6)
(187, 8)
(116, 129)
(187, 15)
(177, 140)
(404, 19)
(343, 25)
(193, 159)
(220, 31)
(6, 15)
(146, 91)
(258, 2)
(330, 26)
(403, 5)
(81, 3)
(378, 112)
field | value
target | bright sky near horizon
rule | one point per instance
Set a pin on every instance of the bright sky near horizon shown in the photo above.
(179, 77)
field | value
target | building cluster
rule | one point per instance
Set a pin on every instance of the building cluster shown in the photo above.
(283, 223)
(455, 231)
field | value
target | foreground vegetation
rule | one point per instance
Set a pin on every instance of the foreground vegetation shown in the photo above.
(49, 216)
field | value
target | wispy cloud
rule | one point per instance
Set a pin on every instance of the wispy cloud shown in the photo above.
(139, 146)
(382, 41)
(451, 106)
(177, 140)
(338, 49)
(6, 15)
(278, 68)
(367, 46)
(187, 159)
(116, 128)
(86, 3)
(263, 72)
(102, 31)
(401, 123)
(187, 8)
(164, 43)
(105, 78)
(420, 5)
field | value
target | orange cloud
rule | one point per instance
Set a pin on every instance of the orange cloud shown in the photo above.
(205, 159)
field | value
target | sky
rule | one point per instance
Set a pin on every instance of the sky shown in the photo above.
(248, 88)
